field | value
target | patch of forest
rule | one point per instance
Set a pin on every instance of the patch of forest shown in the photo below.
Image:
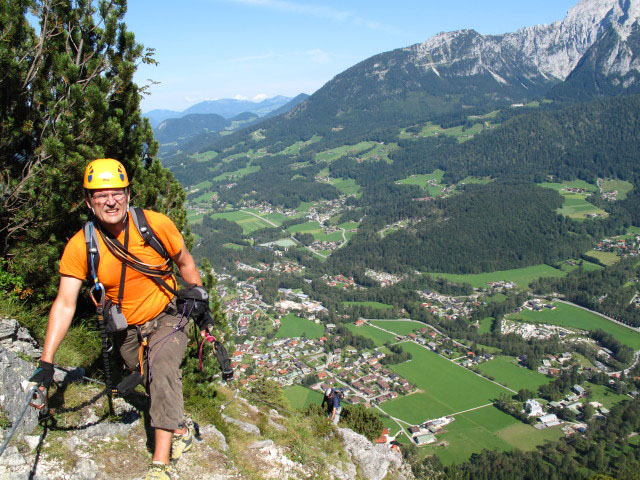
(487, 228)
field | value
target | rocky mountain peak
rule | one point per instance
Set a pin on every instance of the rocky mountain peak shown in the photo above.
(550, 51)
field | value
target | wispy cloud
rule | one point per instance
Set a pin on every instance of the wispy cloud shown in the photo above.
(318, 11)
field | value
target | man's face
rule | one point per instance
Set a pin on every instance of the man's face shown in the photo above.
(109, 205)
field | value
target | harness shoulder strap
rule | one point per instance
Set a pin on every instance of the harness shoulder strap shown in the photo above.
(93, 250)
(146, 232)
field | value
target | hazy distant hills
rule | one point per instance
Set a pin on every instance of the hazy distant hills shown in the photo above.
(226, 107)
(207, 121)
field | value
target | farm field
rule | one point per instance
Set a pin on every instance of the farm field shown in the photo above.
(574, 317)
(300, 397)
(487, 428)
(335, 153)
(485, 325)
(379, 152)
(586, 266)
(604, 395)
(314, 228)
(398, 326)
(572, 184)
(347, 186)
(378, 336)
(431, 130)
(423, 180)
(506, 372)
(576, 206)
(248, 222)
(292, 326)
(621, 186)
(608, 258)
(238, 173)
(381, 306)
(445, 387)
(520, 276)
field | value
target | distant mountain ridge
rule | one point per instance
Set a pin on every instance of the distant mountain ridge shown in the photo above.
(226, 107)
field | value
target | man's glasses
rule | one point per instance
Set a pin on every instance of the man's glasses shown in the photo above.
(102, 197)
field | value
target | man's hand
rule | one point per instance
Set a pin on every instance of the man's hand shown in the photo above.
(43, 376)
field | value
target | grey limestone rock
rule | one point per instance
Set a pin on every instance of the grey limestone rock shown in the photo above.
(14, 389)
(85, 469)
(375, 461)
(247, 427)
(17, 339)
(212, 431)
(342, 471)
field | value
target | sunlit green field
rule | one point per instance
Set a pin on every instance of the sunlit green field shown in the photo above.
(445, 387)
(292, 326)
(248, 222)
(487, 428)
(301, 397)
(506, 372)
(623, 187)
(335, 153)
(522, 277)
(378, 336)
(398, 326)
(607, 258)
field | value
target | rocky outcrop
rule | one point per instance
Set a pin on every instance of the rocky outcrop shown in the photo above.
(375, 461)
(14, 390)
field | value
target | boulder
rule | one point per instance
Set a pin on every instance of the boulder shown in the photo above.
(247, 427)
(14, 389)
(375, 461)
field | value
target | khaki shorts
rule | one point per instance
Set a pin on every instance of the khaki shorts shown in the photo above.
(163, 381)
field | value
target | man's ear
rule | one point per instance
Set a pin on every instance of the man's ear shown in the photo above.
(87, 200)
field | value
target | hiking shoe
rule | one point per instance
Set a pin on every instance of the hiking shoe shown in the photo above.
(181, 443)
(159, 471)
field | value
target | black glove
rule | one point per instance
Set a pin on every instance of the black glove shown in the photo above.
(43, 376)
(194, 301)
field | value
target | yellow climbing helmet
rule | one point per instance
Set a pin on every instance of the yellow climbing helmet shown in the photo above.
(105, 173)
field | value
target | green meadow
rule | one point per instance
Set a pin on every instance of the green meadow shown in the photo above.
(379, 153)
(485, 325)
(314, 228)
(248, 222)
(575, 205)
(301, 397)
(444, 387)
(607, 258)
(335, 153)
(292, 326)
(574, 317)
(461, 133)
(378, 336)
(398, 326)
(522, 277)
(505, 371)
(621, 186)
(422, 180)
(347, 186)
(486, 428)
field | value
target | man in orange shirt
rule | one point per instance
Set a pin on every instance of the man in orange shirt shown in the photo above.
(148, 306)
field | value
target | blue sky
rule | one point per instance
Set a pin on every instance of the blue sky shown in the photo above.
(211, 49)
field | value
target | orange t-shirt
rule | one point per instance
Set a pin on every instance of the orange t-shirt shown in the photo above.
(142, 298)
